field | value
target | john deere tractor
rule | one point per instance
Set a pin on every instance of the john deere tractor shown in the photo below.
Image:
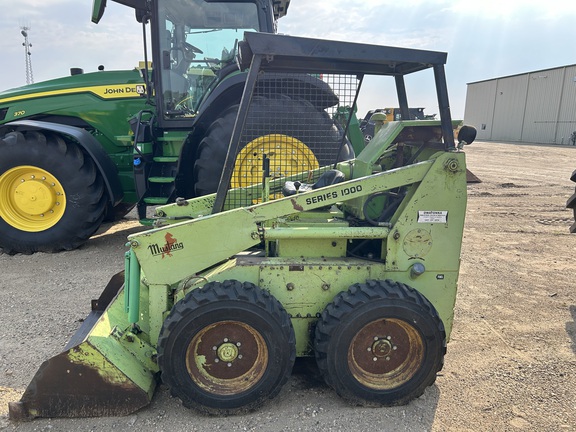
(354, 263)
(71, 158)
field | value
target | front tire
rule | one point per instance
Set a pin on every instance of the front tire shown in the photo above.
(226, 348)
(52, 196)
(380, 344)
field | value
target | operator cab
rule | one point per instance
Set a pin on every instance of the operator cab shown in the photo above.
(196, 43)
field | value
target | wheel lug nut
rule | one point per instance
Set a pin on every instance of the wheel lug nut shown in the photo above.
(229, 364)
(375, 359)
(238, 344)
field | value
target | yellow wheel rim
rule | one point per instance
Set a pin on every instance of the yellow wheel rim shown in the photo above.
(287, 156)
(34, 200)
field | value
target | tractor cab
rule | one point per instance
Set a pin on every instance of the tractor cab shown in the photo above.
(194, 43)
(195, 84)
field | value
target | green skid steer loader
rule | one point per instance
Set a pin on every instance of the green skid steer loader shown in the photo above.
(354, 263)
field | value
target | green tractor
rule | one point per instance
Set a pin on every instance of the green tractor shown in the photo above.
(354, 263)
(62, 167)
(79, 150)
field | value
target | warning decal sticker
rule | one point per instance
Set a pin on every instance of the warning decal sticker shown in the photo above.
(432, 216)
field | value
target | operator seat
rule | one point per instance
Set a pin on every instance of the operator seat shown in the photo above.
(327, 178)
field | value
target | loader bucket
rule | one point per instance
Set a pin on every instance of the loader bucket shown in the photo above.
(471, 177)
(96, 374)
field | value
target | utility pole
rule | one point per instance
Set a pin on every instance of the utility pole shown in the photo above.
(27, 45)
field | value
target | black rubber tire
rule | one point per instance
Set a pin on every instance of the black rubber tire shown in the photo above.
(323, 139)
(572, 205)
(574, 208)
(376, 372)
(217, 312)
(83, 186)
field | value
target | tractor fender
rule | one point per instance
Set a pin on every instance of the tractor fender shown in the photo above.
(229, 92)
(85, 140)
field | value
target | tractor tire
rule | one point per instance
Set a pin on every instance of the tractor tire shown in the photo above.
(52, 197)
(380, 344)
(321, 136)
(226, 348)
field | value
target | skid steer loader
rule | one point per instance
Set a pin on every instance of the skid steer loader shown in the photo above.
(355, 263)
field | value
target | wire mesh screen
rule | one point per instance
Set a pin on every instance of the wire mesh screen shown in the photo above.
(345, 87)
(297, 123)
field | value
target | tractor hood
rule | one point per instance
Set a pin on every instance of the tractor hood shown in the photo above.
(99, 83)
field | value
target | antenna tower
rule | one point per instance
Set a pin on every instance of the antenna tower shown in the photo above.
(27, 45)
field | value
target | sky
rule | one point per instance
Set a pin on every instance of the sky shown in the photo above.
(484, 39)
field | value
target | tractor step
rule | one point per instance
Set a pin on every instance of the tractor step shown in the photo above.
(161, 179)
(156, 200)
(147, 221)
(166, 159)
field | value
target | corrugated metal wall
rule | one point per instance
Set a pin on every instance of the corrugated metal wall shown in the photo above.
(538, 107)
(567, 116)
(480, 107)
(542, 105)
(509, 108)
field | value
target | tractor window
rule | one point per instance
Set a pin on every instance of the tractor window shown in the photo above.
(200, 38)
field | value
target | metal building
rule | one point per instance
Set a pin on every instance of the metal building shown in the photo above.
(535, 107)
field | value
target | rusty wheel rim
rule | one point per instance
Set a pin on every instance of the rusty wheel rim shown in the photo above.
(227, 358)
(385, 354)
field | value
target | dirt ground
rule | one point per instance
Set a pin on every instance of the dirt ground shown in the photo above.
(511, 362)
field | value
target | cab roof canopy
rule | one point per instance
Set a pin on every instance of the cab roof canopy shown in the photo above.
(298, 54)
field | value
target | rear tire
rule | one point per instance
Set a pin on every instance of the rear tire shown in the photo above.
(279, 115)
(226, 348)
(51, 194)
(380, 344)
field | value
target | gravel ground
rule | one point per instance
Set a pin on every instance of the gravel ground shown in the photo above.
(510, 364)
